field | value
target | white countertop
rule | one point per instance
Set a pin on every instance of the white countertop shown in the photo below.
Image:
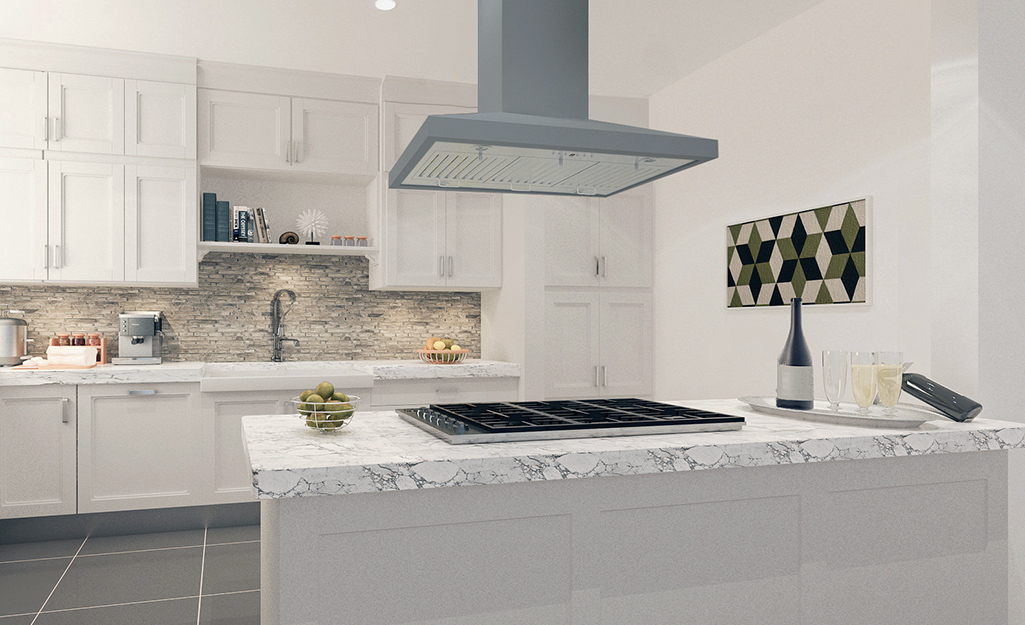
(194, 371)
(379, 451)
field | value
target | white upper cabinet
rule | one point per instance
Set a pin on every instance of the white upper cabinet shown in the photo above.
(160, 119)
(415, 231)
(332, 136)
(258, 131)
(23, 202)
(160, 224)
(599, 241)
(87, 114)
(244, 129)
(473, 239)
(86, 222)
(403, 120)
(23, 104)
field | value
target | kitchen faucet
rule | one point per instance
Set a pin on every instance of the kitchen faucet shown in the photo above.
(277, 322)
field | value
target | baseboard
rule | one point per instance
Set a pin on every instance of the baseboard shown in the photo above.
(70, 526)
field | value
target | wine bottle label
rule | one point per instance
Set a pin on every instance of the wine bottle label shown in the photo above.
(796, 383)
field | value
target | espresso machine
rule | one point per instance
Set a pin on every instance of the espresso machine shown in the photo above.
(139, 338)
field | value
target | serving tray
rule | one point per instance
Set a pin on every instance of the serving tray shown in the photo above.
(907, 416)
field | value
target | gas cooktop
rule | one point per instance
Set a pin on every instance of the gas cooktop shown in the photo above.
(540, 420)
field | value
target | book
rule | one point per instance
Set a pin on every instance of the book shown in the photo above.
(261, 225)
(243, 224)
(250, 226)
(234, 223)
(223, 221)
(209, 216)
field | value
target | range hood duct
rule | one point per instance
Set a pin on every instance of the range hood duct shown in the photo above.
(531, 133)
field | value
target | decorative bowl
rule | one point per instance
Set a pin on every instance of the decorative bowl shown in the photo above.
(443, 356)
(326, 417)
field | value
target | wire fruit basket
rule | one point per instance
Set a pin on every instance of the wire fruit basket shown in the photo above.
(328, 416)
(442, 356)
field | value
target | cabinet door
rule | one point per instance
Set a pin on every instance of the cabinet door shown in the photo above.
(24, 254)
(160, 224)
(138, 447)
(244, 129)
(403, 120)
(415, 246)
(87, 114)
(37, 451)
(23, 102)
(571, 345)
(571, 241)
(223, 412)
(335, 137)
(626, 239)
(86, 221)
(626, 344)
(160, 119)
(473, 225)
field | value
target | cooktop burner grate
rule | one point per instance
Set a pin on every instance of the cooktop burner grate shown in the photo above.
(530, 420)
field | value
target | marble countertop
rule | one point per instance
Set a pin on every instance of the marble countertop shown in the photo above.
(379, 451)
(194, 371)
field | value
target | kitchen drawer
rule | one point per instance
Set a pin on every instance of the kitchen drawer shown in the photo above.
(405, 393)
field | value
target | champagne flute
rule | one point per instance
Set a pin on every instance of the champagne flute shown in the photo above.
(834, 375)
(889, 375)
(863, 379)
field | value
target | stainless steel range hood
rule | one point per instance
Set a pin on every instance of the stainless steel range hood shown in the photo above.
(531, 134)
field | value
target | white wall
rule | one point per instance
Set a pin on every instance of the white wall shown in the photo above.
(830, 106)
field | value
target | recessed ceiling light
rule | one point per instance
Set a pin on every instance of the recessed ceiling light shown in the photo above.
(385, 5)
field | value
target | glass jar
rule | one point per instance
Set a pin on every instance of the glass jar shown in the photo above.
(350, 241)
(336, 239)
(361, 242)
(63, 339)
(78, 338)
(93, 339)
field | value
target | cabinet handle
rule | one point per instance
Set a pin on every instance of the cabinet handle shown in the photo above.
(147, 392)
(596, 379)
(288, 152)
(46, 256)
(604, 267)
(64, 409)
(57, 256)
(597, 266)
(441, 266)
(46, 129)
(451, 266)
(604, 375)
(56, 128)
(295, 151)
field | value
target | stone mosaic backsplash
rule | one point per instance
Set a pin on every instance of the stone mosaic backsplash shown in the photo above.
(227, 317)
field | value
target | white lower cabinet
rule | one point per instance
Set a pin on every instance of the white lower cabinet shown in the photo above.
(597, 344)
(37, 451)
(222, 439)
(139, 446)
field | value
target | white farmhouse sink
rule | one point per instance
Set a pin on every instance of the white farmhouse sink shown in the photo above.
(280, 376)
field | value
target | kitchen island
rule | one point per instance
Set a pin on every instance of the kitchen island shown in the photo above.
(782, 522)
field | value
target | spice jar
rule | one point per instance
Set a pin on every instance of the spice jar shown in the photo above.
(361, 242)
(78, 338)
(350, 241)
(336, 239)
(93, 339)
(63, 339)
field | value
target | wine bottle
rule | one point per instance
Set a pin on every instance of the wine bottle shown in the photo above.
(951, 404)
(795, 377)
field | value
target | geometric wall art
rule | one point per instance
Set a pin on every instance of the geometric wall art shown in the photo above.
(818, 255)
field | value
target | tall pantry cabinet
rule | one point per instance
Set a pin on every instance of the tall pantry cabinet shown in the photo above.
(79, 154)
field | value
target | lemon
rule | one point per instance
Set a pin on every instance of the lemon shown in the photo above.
(449, 343)
(439, 345)
(340, 396)
(455, 347)
(303, 396)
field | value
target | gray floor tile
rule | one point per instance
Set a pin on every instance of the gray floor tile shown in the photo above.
(175, 612)
(236, 609)
(126, 577)
(31, 551)
(231, 567)
(25, 585)
(21, 619)
(217, 535)
(136, 542)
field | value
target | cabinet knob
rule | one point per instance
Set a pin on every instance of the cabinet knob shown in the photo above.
(146, 392)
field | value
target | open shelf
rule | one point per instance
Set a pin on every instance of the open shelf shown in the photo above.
(206, 247)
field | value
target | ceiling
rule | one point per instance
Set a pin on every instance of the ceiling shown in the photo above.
(637, 47)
